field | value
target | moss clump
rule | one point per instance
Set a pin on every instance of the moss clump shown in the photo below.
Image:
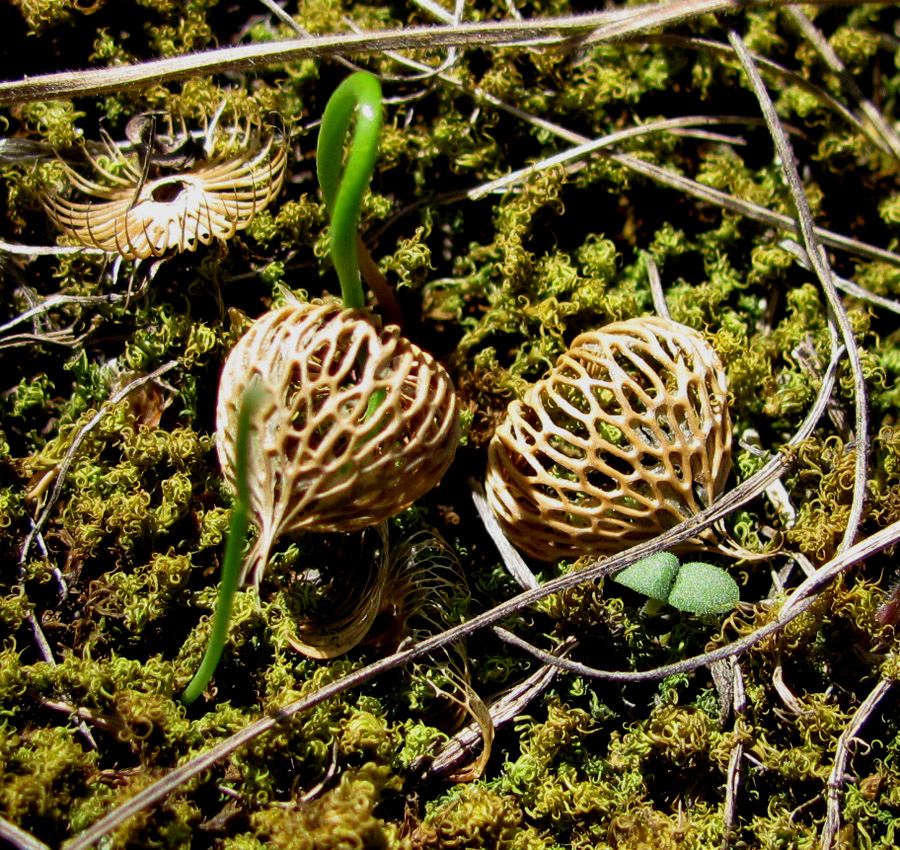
(341, 817)
(122, 576)
(470, 818)
(45, 771)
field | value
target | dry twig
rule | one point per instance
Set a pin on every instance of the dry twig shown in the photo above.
(822, 268)
(18, 838)
(593, 28)
(839, 770)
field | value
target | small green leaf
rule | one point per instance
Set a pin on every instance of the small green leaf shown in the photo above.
(653, 576)
(704, 589)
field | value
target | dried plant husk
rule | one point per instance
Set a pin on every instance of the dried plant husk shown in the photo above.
(349, 599)
(628, 435)
(425, 594)
(357, 424)
(140, 215)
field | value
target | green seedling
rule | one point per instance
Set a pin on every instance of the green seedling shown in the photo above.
(359, 97)
(234, 548)
(652, 576)
(695, 588)
(701, 588)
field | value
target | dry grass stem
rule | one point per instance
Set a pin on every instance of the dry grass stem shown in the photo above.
(838, 776)
(72, 451)
(515, 564)
(884, 136)
(753, 211)
(45, 250)
(592, 28)
(848, 287)
(779, 72)
(459, 749)
(819, 260)
(18, 838)
(581, 152)
(736, 758)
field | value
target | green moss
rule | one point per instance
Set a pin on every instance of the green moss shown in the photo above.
(762, 34)
(123, 576)
(471, 818)
(54, 121)
(45, 14)
(411, 262)
(44, 771)
(854, 47)
(342, 817)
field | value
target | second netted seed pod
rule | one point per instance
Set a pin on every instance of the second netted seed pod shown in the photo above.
(626, 437)
(357, 422)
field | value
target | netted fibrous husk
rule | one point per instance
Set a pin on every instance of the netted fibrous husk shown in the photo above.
(139, 217)
(357, 422)
(626, 437)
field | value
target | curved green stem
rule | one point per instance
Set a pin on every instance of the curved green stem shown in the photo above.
(237, 536)
(360, 93)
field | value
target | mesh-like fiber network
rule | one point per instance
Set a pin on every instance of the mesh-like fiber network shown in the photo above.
(357, 422)
(628, 435)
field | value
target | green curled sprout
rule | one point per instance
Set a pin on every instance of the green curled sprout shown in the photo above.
(343, 190)
(357, 96)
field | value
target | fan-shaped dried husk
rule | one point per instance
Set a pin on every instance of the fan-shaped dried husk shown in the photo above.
(325, 456)
(347, 592)
(140, 218)
(627, 436)
(425, 594)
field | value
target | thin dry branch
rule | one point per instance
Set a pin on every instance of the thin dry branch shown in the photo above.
(589, 146)
(455, 752)
(64, 336)
(79, 438)
(839, 770)
(822, 268)
(884, 136)
(512, 560)
(45, 250)
(779, 72)
(656, 288)
(425, 72)
(736, 759)
(18, 838)
(59, 300)
(804, 596)
(749, 209)
(591, 28)
(848, 287)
